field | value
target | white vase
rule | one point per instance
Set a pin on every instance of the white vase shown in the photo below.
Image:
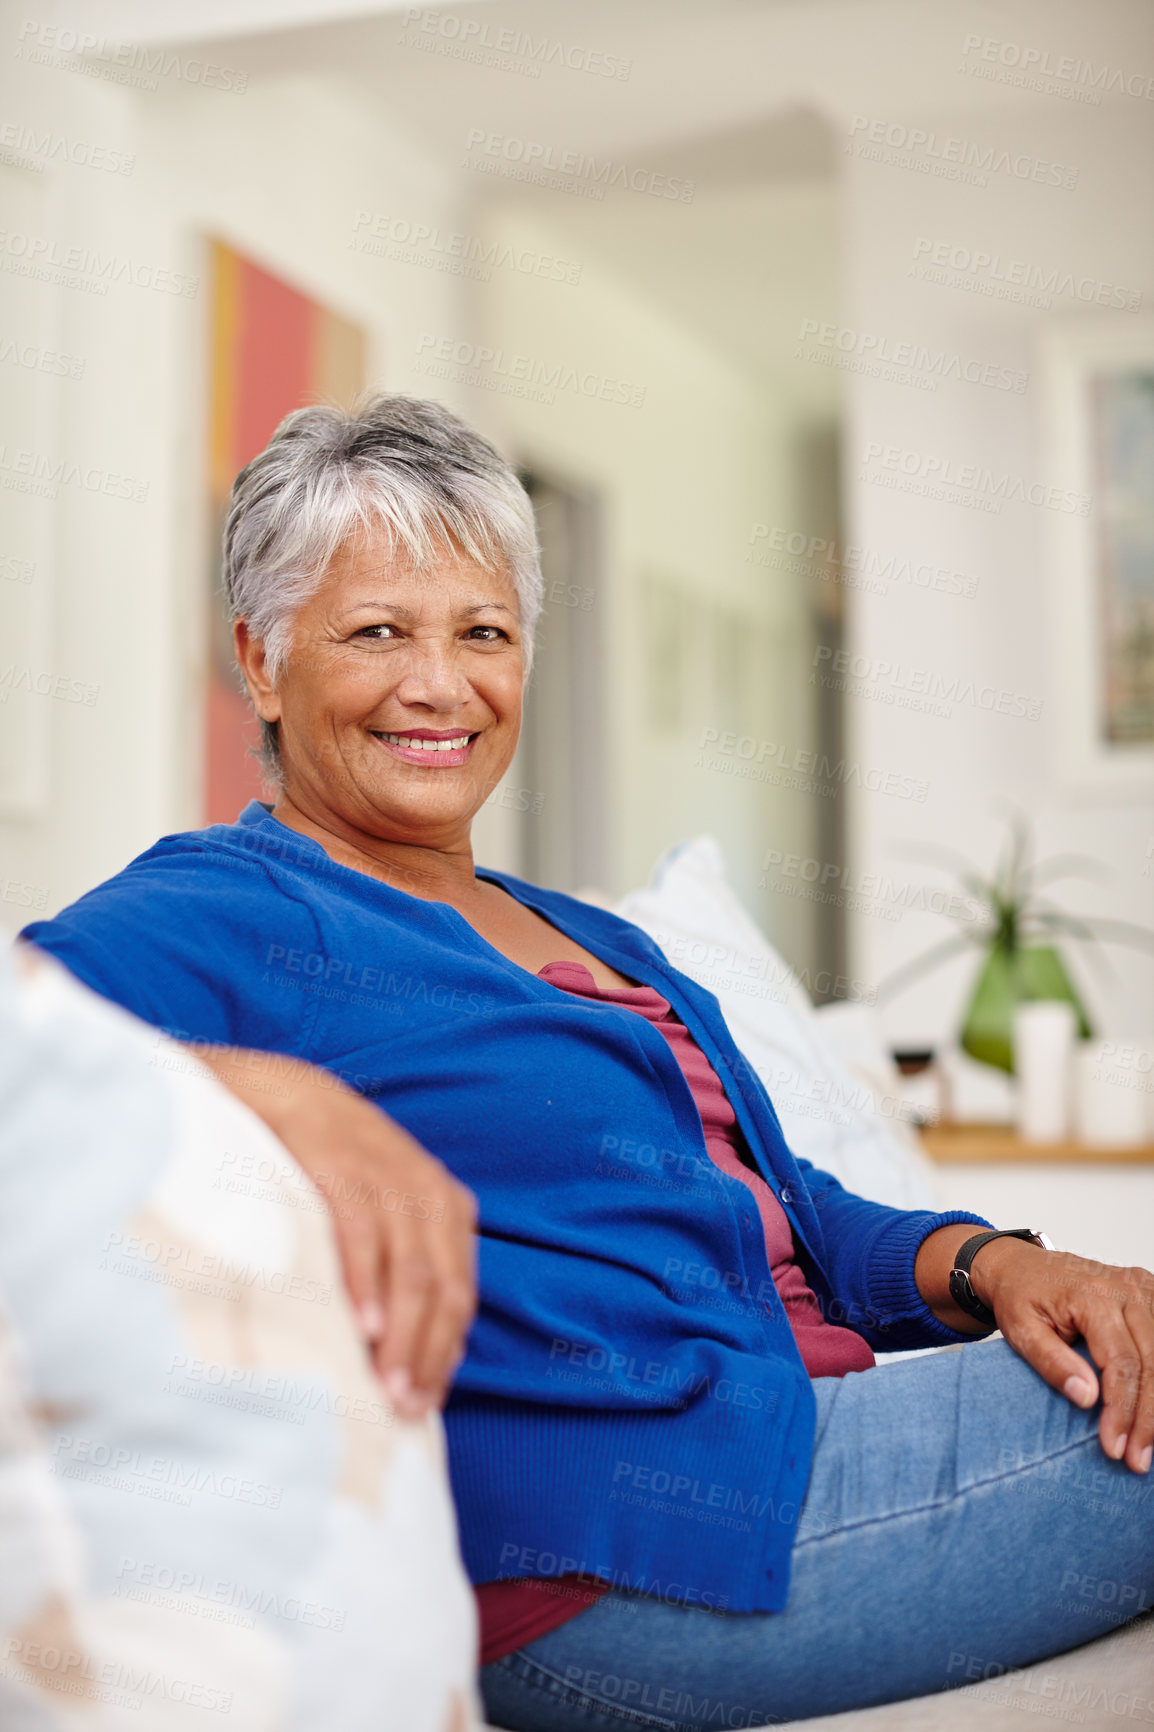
(1043, 1042)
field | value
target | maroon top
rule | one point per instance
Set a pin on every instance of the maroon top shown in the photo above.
(513, 1613)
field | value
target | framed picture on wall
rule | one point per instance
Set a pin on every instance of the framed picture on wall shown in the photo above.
(1098, 405)
(272, 348)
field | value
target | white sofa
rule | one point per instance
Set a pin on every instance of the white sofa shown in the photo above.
(209, 1514)
(124, 1171)
(1101, 1687)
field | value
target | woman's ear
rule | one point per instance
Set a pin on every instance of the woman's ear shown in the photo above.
(250, 657)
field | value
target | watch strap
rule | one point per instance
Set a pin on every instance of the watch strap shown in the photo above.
(961, 1289)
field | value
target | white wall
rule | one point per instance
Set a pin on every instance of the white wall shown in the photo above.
(117, 602)
(117, 598)
(977, 764)
(682, 479)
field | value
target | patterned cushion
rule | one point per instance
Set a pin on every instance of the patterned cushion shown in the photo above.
(209, 1515)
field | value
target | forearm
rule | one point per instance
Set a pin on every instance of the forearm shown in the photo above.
(870, 1251)
(271, 1084)
(935, 1259)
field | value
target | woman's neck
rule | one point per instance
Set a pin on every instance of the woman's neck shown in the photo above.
(436, 873)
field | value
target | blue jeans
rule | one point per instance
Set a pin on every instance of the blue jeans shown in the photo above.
(961, 1519)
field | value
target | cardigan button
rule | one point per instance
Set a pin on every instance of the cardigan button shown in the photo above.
(786, 1194)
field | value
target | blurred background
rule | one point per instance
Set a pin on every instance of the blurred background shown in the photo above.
(821, 333)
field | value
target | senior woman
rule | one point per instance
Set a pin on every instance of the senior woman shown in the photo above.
(687, 1497)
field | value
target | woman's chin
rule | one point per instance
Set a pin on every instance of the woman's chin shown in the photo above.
(421, 814)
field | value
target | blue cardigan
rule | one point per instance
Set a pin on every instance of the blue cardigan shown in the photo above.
(632, 1403)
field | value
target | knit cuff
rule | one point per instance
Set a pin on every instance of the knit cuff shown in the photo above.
(894, 1297)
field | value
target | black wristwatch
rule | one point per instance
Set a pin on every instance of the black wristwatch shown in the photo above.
(961, 1291)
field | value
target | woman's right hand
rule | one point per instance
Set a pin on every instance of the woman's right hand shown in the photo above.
(406, 1229)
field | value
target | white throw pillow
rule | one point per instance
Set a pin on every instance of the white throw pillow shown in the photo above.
(208, 1511)
(829, 1115)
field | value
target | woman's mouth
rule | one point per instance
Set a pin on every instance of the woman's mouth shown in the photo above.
(432, 751)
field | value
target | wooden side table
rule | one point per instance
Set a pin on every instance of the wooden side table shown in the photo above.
(1096, 1201)
(988, 1145)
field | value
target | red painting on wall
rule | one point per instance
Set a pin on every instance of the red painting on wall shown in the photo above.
(273, 349)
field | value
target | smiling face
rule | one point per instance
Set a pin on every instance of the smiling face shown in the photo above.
(399, 704)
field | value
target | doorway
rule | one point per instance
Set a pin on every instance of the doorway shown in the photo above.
(560, 764)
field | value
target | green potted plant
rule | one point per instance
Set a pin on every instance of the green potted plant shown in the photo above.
(1015, 927)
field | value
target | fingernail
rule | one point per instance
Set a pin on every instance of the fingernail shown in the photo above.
(410, 1402)
(399, 1385)
(1076, 1389)
(372, 1319)
(1145, 1459)
(1119, 1449)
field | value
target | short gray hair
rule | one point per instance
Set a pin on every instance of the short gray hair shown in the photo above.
(400, 466)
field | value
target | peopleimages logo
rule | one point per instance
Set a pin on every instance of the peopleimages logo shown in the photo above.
(1007, 279)
(36, 472)
(865, 892)
(25, 147)
(963, 483)
(454, 251)
(122, 1468)
(950, 158)
(81, 267)
(37, 360)
(177, 1265)
(1035, 65)
(505, 47)
(520, 375)
(903, 360)
(569, 169)
(23, 895)
(141, 1578)
(802, 768)
(855, 566)
(43, 684)
(128, 63)
(624, 1372)
(925, 689)
(745, 1500)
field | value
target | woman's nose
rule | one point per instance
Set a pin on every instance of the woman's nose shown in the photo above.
(433, 675)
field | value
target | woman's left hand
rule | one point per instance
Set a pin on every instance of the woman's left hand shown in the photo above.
(1044, 1300)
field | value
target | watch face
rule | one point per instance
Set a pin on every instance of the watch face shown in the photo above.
(1041, 1239)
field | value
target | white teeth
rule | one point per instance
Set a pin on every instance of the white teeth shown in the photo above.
(414, 745)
